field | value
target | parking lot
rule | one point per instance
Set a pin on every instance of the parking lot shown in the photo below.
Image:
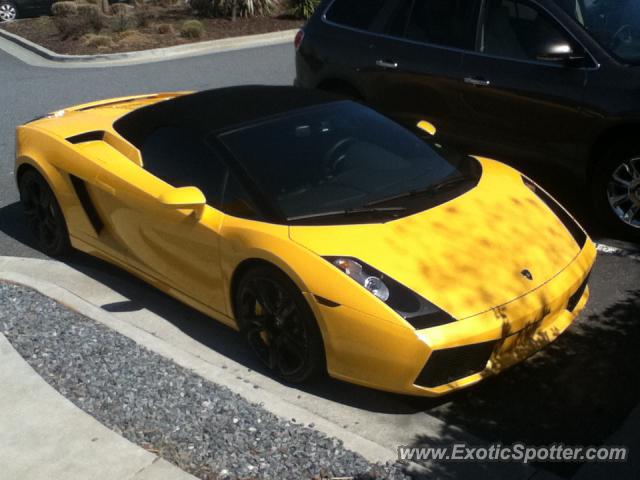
(580, 390)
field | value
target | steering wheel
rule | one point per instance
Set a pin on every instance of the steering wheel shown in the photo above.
(617, 37)
(336, 155)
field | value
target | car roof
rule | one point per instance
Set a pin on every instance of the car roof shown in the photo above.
(218, 109)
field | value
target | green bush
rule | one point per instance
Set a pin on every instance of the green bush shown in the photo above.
(74, 20)
(165, 29)
(64, 9)
(304, 8)
(92, 15)
(70, 27)
(122, 22)
(144, 14)
(192, 29)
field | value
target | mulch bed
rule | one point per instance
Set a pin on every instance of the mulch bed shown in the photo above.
(43, 31)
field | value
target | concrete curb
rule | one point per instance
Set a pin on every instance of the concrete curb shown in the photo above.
(157, 54)
(45, 436)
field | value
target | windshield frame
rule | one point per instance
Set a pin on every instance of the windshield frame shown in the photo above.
(472, 169)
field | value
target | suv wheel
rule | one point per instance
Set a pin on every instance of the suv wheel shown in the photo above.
(616, 189)
(8, 11)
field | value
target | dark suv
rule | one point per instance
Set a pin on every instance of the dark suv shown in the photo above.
(552, 83)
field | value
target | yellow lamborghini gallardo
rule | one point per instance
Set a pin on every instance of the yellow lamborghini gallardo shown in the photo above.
(331, 237)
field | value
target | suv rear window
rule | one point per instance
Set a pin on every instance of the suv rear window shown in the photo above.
(359, 14)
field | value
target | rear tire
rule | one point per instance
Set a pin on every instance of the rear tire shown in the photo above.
(278, 324)
(43, 215)
(8, 11)
(616, 189)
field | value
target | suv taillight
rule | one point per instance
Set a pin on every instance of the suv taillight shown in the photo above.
(299, 38)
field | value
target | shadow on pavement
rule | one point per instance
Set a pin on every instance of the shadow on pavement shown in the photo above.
(13, 225)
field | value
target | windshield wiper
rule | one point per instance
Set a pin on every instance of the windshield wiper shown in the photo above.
(431, 189)
(349, 211)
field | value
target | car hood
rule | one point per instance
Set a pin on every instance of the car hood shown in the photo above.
(467, 255)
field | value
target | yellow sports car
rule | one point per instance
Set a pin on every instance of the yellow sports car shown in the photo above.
(333, 238)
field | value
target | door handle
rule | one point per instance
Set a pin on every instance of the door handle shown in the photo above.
(477, 82)
(385, 64)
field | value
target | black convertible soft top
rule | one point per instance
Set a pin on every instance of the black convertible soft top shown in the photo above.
(218, 109)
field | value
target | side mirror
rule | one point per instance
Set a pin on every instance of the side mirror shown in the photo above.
(427, 127)
(188, 198)
(558, 52)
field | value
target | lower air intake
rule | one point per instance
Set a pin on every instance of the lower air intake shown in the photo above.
(448, 365)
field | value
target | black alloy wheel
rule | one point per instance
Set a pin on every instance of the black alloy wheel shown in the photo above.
(43, 215)
(279, 325)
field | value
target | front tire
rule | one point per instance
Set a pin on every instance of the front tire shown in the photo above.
(278, 324)
(8, 11)
(43, 215)
(616, 189)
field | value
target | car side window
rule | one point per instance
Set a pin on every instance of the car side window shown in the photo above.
(360, 14)
(182, 159)
(519, 30)
(450, 23)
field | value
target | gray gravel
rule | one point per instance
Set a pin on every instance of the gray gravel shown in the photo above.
(203, 428)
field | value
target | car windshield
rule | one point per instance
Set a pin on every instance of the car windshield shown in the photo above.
(615, 24)
(345, 160)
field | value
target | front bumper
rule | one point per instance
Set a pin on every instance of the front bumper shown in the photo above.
(384, 355)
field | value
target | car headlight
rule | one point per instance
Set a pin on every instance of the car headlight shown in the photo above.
(371, 282)
(419, 312)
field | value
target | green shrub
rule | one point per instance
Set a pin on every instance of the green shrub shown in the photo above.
(92, 15)
(192, 29)
(304, 8)
(165, 29)
(72, 26)
(122, 17)
(121, 23)
(64, 9)
(144, 14)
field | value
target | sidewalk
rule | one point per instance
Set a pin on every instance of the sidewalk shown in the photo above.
(44, 436)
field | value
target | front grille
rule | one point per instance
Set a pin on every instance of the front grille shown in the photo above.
(575, 298)
(450, 364)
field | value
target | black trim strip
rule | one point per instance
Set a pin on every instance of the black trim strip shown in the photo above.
(95, 136)
(87, 204)
(577, 296)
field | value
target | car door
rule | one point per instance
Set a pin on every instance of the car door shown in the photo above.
(170, 244)
(524, 103)
(418, 62)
